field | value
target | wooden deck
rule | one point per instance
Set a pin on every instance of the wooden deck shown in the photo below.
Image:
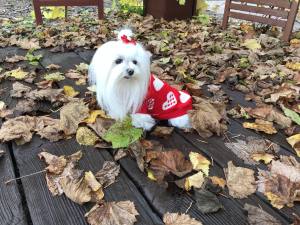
(28, 201)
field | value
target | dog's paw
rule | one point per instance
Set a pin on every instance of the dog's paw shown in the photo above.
(180, 122)
(144, 121)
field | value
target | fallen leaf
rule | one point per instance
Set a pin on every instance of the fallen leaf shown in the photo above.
(163, 162)
(114, 213)
(261, 125)
(199, 162)
(240, 181)
(208, 118)
(54, 76)
(251, 44)
(195, 180)
(18, 74)
(294, 141)
(101, 125)
(258, 216)
(49, 94)
(179, 219)
(293, 66)
(15, 58)
(69, 91)
(207, 202)
(94, 114)
(281, 184)
(107, 175)
(218, 181)
(138, 150)
(53, 67)
(120, 154)
(71, 115)
(84, 136)
(4, 112)
(162, 132)
(291, 114)
(19, 90)
(26, 106)
(265, 157)
(55, 164)
(48, 128)
(122, 134)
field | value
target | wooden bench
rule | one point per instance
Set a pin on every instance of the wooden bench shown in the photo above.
(38, 3)
(281, 13)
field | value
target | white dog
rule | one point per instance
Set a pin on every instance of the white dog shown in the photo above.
(125, 86)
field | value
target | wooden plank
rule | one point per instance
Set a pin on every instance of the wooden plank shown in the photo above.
(46, 209)
(226, 14)
(253, 18)
(69, 2)
(174, 200)
(260, 10)
(291, 20)
(278, 3)
(11, 206)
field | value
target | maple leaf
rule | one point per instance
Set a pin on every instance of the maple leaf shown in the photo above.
(117, 213)
(179, 219)
(163, 162)
(107, 175)
(208, 118)
(199, 162)
(281, 184)
(71, 115)
(122, 134)
(261, 125)
(294, 141)
(258, 216)
(240, 181)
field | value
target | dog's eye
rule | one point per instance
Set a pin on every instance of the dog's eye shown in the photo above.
(118, 61)
(134, 62)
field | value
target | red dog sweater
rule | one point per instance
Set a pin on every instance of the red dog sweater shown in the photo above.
(164, 102)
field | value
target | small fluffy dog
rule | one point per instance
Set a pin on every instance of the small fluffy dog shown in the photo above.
(125, 86)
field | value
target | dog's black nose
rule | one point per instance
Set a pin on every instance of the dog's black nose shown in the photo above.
(130, 72)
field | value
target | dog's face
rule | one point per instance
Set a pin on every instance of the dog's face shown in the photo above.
(128, 62)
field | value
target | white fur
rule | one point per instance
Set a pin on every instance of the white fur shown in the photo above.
(118, 93)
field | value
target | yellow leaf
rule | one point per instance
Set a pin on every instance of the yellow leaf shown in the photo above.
(293, 66)
(199, 162)
(275, 200)
(246, 27)
(218, 181)
(265, 157)
(18, 74)
(69, 91)
(294, 141)
(261, 125)
(57, 76)
(195, 180)
(84, 136)
(295, 41)
(151, 175)
(251, 44)
(94, 114)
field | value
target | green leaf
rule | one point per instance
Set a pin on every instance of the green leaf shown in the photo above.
(57, 76)
(291, 114)
(122, 134)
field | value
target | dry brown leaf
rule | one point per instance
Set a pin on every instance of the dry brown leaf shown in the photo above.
(101, 125)
(199, 162)
(261, 125)
(269, 113)
(208, 118)
(48, 128)
(53, 67)
(281, 184)
(71, 115)
(240, 181)
(55, 164)
(84, 136)
(107, 175)
(163, 162)
(52, 95)
(138, 150)
(179, 219)
(4, 112)
(112, 213)
(218, 181)
(26, 106)
(15, 58)
(258, 216)
(294, 141)
(162, 132)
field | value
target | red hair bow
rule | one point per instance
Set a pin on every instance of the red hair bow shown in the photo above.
(125, 40)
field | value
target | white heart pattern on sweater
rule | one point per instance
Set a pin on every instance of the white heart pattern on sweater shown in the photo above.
(157, 84)
(184, 97)
(171, 101)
